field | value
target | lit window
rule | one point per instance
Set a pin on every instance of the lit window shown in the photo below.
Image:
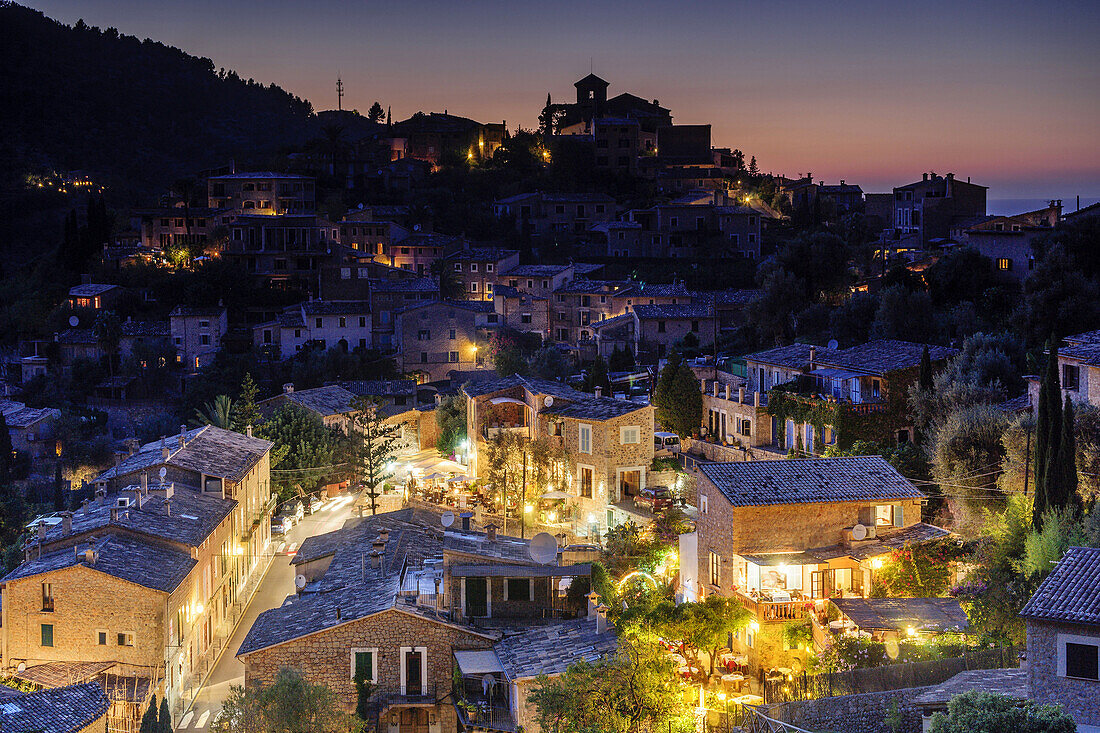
(715, 569)
(1004, 263)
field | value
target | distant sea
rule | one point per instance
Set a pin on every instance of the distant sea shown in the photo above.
(1003, 207)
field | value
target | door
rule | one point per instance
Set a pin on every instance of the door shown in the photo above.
(476, 597)
(414, 720)
(414, 681)
(817, 584)
(630, 482)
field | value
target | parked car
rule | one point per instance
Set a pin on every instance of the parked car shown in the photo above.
(281, 524)
(296, 510)
(667, 442)
(314, 505)
(655, 499)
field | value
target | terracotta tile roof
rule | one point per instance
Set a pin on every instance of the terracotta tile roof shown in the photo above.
(552, 648)
(1071, 592)
(809, 481)
(60, 710)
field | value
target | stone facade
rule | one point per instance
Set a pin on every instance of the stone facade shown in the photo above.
(1079, 697)
(864, 713)
(325, 657)
(437, 338)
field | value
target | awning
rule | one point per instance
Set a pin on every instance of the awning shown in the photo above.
(555, 495)
(825, 373)
(478, 663)
(507, 401)
(520, 571)
(781, 558)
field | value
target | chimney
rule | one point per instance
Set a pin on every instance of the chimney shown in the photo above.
(384, 535)
(466, 521)
(114, 514)
(145, 482)
(841, 181)
(375, 559)
(741, 395)
(42, 527)
(183, 432)
(727, 391)
(163, 449)
(592, 602)
(132, 446)
(66, 524)
(924, 176)
(248, 430)
(756, 399)
(288, 387)
(491, 532)
(813, 356)
(950, 183)
(599, 391)
(90, 556)
(601, 618)
(379, 544)
(337, 613)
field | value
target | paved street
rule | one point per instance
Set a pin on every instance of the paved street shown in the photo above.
(273, 589)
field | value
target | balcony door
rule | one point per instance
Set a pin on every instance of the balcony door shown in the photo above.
(414, 682)
(477, 597)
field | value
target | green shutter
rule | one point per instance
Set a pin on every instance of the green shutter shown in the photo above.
(899, 518)
(363, 665)
(47, 634)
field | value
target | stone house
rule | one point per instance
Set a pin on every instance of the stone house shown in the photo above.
(619, 239)
(1063, 637)
(437, 337)
(783, 535)
(868, 383)
(328, 324)
(579, 303)
(1008, 240)
(658, 328)
(94, 296)
(262, 191)
(387, 297)
(197, 333)
(332, 405)
(608, 442)
(929, 207)
(178, 226)
(522, 311)
(539, 281)
(1078, 370)
(31, 428)
(286, 250)
(737, 416)
(363, 232)
(540, 214)
(478, 268)
(179, 550)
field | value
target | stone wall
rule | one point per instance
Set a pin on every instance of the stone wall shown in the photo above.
(864, 713)
(1080, 698)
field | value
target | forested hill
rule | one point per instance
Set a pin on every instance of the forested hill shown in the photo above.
(81, 98)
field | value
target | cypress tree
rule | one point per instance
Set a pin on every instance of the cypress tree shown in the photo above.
(149, 722)
(1062, 479)
(925, 382)
(1049, 401)
(6, 452)
(165, 722)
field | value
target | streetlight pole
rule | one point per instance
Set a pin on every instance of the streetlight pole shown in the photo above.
(523, 498)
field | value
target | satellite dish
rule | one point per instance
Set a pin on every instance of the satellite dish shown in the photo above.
(544, 548)
(548, 401)
(859, 532)
(447, 519)
(74, 321)
(299, 581)
(833, 344)
(163, 472)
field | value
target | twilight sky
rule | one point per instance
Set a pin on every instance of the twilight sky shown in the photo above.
(1007, 93)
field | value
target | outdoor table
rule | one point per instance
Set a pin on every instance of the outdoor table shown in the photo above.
(785, 671)
(749, 700)
(733, 680)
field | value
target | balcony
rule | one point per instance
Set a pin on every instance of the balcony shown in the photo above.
(765, 610)
(253, 521)
(483, 709)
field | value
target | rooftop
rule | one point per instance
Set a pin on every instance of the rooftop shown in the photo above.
(247, 175)
(207, 449)
(325, 401)
(59, 710)
(481, 254)
(598, 287)
(536, 386)
(552, 648)
(1011, 682)
(535, 270)
(669, 310)
(1071, 593)
(334, 307)
(899, 614)
(196, 310)
(418, 285)
(18, 415)
(809, 481)
(380, 387)
(594, 408)
(794, 356)
(89, 290)
(883, 356)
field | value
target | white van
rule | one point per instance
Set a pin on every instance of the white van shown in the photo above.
(666, 442)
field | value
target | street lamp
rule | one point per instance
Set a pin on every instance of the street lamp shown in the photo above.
(724, 699)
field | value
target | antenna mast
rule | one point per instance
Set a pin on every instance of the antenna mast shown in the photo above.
(339, 93)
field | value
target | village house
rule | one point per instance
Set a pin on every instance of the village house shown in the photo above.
(363, 232)
(711, 225)
(180, 530)
(540, 214)
(287, 250)
(522, 311)
(435, 137)
(1063, 638)
(579, 303)
(928, 208)
(94, 296)
(399, 402)
(179, 226)
(197, 333)
(478, 269)
(658, 328)
(844, 198)
(738, 417)
(538, 280)
(262, 192)
(437, 337)
(869, 383)
(31, 429)
(332, 405)
(387, 297)
(608, 442)
(1078, 370)
(348, 274)
(778, 534)
(324, 323)
(1008, 240)
(592, 103)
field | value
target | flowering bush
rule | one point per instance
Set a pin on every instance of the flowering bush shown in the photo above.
(918, 570)
(845, 653)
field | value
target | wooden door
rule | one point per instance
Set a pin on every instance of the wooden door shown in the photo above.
(414, 720)
(477, 597)
(414, 680)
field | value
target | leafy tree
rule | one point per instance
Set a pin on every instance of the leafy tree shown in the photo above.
(363, 690)
(289, 704)
(958, 274)
(988, 360)
(303, 445)
(621, 360)
(550, 363)
(965, 449)
(771, 315)
(698, 629)
(247, 412)
(221, 413)
(450, 417)
(1061, 529)
(149, 722)
(374, 442)
(108, 332)
(597, 376)
(924, 380)
(904, 315)
(450, 286)
(635, 690)
(988, 712)
(850, 323)
(678, 399)
(1057, 295)
(376, 113)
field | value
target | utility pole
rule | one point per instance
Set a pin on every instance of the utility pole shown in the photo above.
(523, 498)
(1027, 459)
(339, 93)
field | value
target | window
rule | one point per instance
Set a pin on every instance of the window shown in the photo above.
(452, 357)
(458, 267)
(362, 321)
(695, 326)
(47, 634)
(1004, 263)
(423, 357)
(47, 596)
(488, 267)
(518, 589)
(452, 335)
(525, 318)
(473, 267)
(1080, 657)
(586, 474)
(364, 663)
(204, 339)
(319, 321)
(473, 287)
(744, 426)
(423, 335)
(343, 322)
(1071, 377)
(660, 326)
(629, 434)
(584, 439)
(703, 508)
(101, 637)
(715, 569)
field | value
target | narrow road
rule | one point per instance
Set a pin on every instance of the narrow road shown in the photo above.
(276, 585)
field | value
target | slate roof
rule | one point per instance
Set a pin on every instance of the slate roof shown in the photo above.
(661, 290)
(380, 387)
(809, 481)
(901, 613)
(416, 285)
(192, 518)
(552, 648)
(795, 356)
(1088, 337)
(535, 270)
(1086, 353)
(207, 449)
(670, 311)
(887, 539)
(90, 289)
(481, 254)
(260, 174)
(477, 543)
(145, 563)
(18, 415)
(334, 307)
(325, 401)
(1071, 593)
(882, 356)
(77, 336)
(194, 310)
(734, 297)
(477, 306)
(597, 287)
(594, 408)
(598, 198)
(1011, 682)
(538, 386)
(60, 710)
(618, 320)
(357, 530)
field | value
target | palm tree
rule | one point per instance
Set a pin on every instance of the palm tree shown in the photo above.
(219, 413)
